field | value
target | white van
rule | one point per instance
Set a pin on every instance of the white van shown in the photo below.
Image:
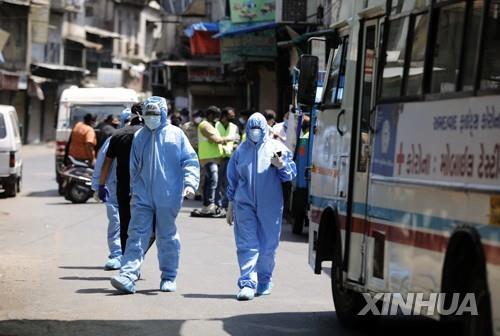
(76, 102)
(11, 163)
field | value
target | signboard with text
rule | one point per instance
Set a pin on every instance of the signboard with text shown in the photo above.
(455, 141)
(248, 47)
(252, 10)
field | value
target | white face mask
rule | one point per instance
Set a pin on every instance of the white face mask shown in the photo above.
(242, 121)
(255, 135)
(197, 120)
(152, 121)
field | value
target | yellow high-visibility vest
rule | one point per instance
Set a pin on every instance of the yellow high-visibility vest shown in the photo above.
(231, 132)
(207, 149)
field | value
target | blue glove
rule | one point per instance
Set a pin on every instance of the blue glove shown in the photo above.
(103, 193)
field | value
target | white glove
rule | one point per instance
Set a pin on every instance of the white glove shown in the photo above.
(277, 162)
(230, 214)
(189, 193)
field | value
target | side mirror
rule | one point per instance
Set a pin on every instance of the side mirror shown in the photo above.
(308, 78)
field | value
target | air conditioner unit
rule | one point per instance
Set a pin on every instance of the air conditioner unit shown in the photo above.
(297, 11)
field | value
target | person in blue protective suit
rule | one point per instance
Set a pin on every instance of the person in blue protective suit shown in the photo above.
(114, 244)
(164, 168)
(255, 175)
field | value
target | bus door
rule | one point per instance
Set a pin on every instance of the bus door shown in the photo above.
(358, 196)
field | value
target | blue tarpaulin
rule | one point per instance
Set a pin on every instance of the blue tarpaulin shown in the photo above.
(244, 28)
(212, 27)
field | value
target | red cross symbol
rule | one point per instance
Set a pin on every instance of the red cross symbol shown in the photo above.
(400, 158)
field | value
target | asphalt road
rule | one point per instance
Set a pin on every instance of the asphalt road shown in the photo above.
(52, 281)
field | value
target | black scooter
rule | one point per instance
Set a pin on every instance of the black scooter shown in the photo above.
(77, 181)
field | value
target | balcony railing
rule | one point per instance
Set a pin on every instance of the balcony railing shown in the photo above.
(67, 5)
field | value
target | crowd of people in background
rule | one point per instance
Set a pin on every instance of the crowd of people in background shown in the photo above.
(148, 160)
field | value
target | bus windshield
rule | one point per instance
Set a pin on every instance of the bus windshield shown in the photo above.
(77, 112)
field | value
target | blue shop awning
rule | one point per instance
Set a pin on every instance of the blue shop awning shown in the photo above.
(212, 27)
(240, 29)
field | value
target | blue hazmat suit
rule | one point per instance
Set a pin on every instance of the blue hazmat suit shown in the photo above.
(112, 213)
(162, 164)
(254, 187)
(114, 244)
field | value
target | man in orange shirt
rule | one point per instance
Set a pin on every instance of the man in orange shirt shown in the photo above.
(83, 140)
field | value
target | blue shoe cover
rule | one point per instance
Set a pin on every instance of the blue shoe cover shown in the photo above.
(113, 264)
(123, 284)
(168, 286)
(264, 288)
(245, 294)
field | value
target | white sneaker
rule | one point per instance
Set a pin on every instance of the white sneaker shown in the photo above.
(168, 286)
(245, 294)
(209, 209)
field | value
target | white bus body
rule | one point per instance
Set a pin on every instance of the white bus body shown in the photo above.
(408, 182)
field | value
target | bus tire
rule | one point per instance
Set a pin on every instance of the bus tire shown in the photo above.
(464, 271)
(348, 303)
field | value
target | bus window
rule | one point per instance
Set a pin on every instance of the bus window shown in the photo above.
(490, 76)
(392, 75)
(472, 45)
(402, 6)
(447, 48)
(416, 71)
(336, 78)
(367, 84)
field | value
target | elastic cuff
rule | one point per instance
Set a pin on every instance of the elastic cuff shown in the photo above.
(247, 283)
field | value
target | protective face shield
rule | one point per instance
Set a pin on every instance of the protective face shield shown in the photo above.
(152, 116)
(255, 135)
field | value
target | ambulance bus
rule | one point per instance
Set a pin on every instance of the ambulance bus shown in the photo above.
(405, 190)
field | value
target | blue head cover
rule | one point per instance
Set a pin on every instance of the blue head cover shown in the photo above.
(162, 105)
(125, 116)
(258, 120)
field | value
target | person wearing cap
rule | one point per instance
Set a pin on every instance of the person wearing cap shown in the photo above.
(164, 169)
(112, 212)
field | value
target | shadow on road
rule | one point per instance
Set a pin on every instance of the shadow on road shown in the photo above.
(82, 267)
(45, 193)
(90, 327)
(113, 292)
(287, 235)
(303, 323)
(74, 204)
(85, 278)
(210, 296)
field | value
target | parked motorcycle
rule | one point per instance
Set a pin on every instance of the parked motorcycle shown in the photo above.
(77, 181)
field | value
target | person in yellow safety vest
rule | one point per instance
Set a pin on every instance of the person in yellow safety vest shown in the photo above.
(210, 154)
(227, 129)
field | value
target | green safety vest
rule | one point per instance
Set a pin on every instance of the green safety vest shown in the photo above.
(207, 149)
(231, 132)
